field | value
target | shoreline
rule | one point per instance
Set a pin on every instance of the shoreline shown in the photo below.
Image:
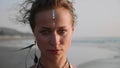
(16, 37)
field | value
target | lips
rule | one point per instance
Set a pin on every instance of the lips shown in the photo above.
(54, 51)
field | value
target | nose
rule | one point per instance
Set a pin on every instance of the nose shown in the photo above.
(55, 39)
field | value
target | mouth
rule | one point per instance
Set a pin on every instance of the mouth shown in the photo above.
(54, 51)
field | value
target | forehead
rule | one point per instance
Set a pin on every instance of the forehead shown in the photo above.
(62, 16)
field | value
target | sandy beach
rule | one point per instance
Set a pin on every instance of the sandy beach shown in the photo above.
(84, 54)
(9, 58)
(102, 63)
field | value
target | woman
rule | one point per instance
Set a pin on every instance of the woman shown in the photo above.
(52, 23)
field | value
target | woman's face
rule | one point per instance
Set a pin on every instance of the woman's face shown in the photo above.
(53, 40)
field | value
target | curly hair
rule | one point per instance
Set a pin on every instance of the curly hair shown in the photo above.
(31, 7)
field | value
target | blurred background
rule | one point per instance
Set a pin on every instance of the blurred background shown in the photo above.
(96, 40)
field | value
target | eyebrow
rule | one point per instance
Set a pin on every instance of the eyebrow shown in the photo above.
(48, 28)
(62, 27)
(45, 27)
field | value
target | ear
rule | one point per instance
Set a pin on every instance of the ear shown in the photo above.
(33, 31)
(73, 28)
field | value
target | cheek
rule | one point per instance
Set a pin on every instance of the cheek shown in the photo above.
(67, 40)
(42, 43)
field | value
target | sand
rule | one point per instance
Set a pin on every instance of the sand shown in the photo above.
(9, 58)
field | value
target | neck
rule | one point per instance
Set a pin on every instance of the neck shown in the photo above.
(60, 62)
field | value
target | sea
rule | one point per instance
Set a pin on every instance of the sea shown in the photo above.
(83, 53)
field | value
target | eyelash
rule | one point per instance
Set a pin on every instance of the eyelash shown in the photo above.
(62, 32)
(45, 32)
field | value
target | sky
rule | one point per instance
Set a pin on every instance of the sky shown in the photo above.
(95, 18)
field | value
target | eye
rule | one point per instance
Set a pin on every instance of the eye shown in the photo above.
(44, 32)
(62, 31)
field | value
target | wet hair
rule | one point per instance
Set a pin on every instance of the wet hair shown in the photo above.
(31, 7)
